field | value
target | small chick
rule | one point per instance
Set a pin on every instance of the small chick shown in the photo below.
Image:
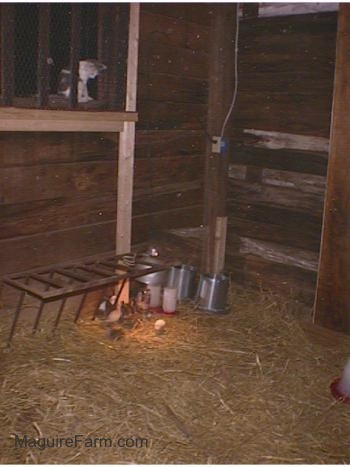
(115, 314)
(159, 325)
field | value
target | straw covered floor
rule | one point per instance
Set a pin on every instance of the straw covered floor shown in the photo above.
(251, 386)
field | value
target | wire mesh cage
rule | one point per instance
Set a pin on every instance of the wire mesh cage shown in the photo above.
(63, 55)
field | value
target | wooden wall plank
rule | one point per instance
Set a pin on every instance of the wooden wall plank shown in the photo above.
(160, 57)
(28, 149)
(268, 195)
(280, 135)
(279, 89)
(34, 217)
(73, 200)
(277, 224)
(281, 159)
(155, 115)
(36, 250)
(155, 143)
(192, 13)
(174, 30)
(162, 87)
(333, 292)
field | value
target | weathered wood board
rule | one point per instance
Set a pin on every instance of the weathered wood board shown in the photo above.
(58, 190)
(332, 307)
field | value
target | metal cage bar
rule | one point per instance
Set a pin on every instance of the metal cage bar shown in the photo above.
(74, 53)
(7, 53)
(43, 78)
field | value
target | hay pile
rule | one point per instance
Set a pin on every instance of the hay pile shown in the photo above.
(247, 387)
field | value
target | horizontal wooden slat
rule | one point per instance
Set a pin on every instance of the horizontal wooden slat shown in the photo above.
(281, 159)
(159, 87)
(285, 25)
(279, 254)
(150, 173)
(14, 119)
(36, 251)
(308, 115)
(174, 31)
(145, 225)
(256, 193)
(87, 178)
(174, 196)
(189, 12)
(293, 281)
(312, 82)
(306, 183)
(162, 143)
(157, 115)
(160, 57)
(250, 137)
(51, 181)
(27, 149)
(277, 224)
(33, 217)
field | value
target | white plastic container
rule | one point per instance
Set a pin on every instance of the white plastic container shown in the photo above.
(169, 299)
(155, 295)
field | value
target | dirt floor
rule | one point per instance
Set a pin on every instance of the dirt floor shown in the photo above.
(251, 386)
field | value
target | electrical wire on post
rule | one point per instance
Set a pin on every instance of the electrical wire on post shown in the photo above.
(235, 91)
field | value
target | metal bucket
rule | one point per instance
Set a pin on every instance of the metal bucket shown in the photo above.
(212, 292)
(154, 278)
(184, 279)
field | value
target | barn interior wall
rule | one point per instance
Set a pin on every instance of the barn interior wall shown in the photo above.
(280, 137)
(58, 190)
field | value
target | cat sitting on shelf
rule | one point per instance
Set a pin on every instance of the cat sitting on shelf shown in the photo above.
(88, 69)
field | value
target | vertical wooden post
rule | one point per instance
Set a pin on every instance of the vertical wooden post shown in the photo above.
(127, 146)
(7, 53)
(127, 141)
(221, 87)
(332, 304)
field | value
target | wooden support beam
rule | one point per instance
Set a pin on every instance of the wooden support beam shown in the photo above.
(126, 150)
(332, 304)
(15, 119)
(221, 87)
(127, 141)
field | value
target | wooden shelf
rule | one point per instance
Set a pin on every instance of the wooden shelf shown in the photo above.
(16, 119)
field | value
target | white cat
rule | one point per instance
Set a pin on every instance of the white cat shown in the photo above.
(88, 69)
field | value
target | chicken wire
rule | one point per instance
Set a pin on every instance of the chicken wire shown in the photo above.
(27, 37)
